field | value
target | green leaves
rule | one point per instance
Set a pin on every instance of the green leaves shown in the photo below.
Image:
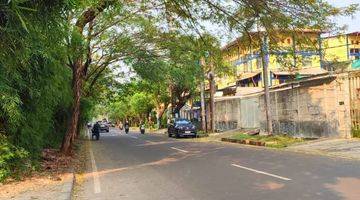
(13, 160)
(141, 103)
(35, 86)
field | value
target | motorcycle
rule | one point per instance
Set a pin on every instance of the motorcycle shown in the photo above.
(142, 129)
(96, 134)
(126, 129)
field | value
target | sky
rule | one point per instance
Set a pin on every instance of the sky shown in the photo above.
(353, 23)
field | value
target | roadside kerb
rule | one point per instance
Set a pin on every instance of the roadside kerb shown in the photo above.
(68, 187)
(247, 142)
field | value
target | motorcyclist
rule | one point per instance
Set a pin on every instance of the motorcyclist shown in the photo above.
(121, 126)
(142, 127)
(126, 126)
(96, 131)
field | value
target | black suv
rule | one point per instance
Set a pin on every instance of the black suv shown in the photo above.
(181, 128)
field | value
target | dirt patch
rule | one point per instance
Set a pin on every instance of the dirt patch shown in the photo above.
(269, 185)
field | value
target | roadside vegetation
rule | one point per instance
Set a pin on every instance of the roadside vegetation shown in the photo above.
(355, 133)
(274, 141)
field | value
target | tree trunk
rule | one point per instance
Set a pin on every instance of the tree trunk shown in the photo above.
(203, 111)
(212, 103)
(73, 125)
(202, 98)
(212, 97)
(160, 109)
(79, 71)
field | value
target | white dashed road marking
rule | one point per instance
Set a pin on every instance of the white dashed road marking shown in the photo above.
(97, 188)
(261, 172)
(184, 151)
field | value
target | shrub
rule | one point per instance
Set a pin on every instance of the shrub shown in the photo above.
(355, 133)
(14, 161)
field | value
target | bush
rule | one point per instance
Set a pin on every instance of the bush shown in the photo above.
(274, 141)
(355, 133)
(14, 161)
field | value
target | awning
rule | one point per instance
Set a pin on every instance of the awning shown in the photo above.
(303, 72)
(247, 75)
(355, 64)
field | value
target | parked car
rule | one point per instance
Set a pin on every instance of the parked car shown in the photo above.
(104, 127)
(181, 128)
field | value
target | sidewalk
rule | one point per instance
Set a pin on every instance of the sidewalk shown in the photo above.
(344, 148)
(58, 188)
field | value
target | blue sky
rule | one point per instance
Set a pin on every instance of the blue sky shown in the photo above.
(352, 23)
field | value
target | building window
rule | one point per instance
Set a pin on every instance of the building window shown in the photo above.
(282, 81)
(355, 53)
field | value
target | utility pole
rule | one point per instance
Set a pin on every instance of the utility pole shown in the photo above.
(265, 60)
(211, 77)
(202, 96)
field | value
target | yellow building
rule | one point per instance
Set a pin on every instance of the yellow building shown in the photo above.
(342, 48)
(290, 54)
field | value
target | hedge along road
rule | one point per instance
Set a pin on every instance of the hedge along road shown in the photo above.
(136, 166)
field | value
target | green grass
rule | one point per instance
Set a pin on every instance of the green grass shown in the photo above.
(275, 141)
(355, 133)
(202, 134)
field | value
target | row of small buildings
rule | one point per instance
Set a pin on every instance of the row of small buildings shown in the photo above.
(291, 56)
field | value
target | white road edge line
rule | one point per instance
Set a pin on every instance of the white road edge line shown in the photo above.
(262, 172)
(184, 151)
(133, 137)
(97, 188)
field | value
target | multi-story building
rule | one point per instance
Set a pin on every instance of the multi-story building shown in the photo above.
(291, 54)
(342, 48)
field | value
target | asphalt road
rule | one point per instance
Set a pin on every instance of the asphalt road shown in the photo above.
(141, 167)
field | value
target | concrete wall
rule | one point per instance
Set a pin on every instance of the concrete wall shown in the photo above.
(236, 112)
(311, 109)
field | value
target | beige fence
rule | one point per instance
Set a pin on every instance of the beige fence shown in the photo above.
(313, 108)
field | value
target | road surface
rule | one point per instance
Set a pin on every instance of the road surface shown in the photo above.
(152, 167)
